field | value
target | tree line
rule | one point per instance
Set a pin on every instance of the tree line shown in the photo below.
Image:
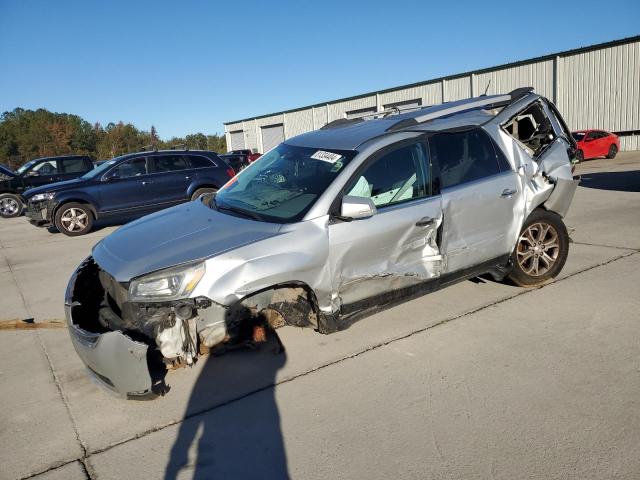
(28, 134)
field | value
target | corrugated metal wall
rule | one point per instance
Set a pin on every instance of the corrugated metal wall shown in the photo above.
(593, 88)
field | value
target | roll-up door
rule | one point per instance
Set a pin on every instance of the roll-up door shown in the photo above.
(272, 135)
(237, 140)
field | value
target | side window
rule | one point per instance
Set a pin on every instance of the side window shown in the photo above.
(503, 163)
(532, 128)
(73, 165)
(200, 162)
(591, 135)
(169, 163)
(130, 168)
(45, 168)
(463, 157)
(397, 176)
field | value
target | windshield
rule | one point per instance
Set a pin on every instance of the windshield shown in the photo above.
(100, 169)
(578, 136)
(283, 184)
(26, 167)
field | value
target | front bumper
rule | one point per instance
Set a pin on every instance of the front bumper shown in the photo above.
(114, 360)
(40, 213)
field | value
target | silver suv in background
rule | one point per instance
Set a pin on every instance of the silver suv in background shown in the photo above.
(326, 228)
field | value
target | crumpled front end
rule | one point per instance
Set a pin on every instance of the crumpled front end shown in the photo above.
(128, 346)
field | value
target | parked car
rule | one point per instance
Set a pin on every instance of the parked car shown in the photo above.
(40, 171)
(596, 143)
(131, 185)
(326, 228)
(240, 159)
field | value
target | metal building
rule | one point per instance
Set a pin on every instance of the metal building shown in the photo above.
(594, 87)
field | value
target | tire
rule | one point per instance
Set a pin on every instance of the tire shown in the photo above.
(10, 205)
(613, 151)
(580, 155)
(541, 251)
(202, 191)
(74, 219)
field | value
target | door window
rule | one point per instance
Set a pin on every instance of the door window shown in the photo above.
(463, 157)
(398, 176)
(130, 168)
(169, 163)
(45, 168)
(73, 165)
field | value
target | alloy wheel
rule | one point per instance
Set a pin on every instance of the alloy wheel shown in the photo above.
(9, 206)
(74, 220)
(538, 249)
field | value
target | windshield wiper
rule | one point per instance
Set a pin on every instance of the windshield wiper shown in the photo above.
(239, 211)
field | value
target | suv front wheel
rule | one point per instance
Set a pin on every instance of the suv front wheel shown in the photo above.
(74, 219)
(541, 251)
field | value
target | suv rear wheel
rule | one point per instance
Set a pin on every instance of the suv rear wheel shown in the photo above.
(74, 219)
(10, 205)
(541, 251)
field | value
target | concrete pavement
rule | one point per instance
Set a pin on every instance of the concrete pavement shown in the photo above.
(479, 380)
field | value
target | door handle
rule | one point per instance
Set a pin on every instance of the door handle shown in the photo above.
(145, 182)
(507, 193)
(187, 178)
(425, 222)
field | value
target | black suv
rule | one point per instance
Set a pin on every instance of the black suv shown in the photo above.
(126, 187)
(35, 173)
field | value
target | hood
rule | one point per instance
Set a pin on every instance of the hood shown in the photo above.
(53, 187)
(182, 234)
(4, 170)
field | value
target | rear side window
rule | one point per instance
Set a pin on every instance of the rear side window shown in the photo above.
(169, 163)
(73, 165)
(397, 176)
(130, 168)
(200, 162)
(463, 157)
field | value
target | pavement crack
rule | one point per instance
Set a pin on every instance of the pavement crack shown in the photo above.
(354, 355)
(65, 401)
(606, 246)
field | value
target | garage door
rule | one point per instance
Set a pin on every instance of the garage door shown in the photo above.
(237, 140)
(272, 135)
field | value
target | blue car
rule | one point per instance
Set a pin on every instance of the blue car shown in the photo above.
(127, 187)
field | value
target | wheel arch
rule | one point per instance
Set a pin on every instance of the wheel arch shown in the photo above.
(73, 199)
(192, 188)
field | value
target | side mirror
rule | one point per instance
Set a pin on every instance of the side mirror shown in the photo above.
(110, 177)
(357, 207)
(529, 169)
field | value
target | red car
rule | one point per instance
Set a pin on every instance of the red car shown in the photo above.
(596, 143)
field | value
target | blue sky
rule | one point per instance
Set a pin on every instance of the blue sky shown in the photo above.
(188, 66)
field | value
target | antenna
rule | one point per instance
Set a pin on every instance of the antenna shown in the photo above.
(486, 89)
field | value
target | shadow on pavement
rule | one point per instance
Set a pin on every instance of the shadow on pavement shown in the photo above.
(240, 439)
(619, 181)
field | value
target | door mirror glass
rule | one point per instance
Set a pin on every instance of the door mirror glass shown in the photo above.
(357, 207)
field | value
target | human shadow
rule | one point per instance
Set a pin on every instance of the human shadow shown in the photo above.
(619, 181)
(231, 427)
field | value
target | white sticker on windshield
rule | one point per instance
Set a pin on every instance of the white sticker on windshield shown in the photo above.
(326, 156)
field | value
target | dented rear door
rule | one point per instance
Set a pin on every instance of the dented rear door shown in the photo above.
(397, 246)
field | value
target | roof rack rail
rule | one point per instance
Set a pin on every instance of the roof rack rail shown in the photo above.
(344, 122)
(183, 146)
(459, 106)
(150, 148)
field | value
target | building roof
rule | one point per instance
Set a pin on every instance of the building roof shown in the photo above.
(550, 56)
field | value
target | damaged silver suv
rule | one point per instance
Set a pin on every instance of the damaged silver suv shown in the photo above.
(326, 228)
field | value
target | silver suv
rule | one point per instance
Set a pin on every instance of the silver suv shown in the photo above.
(326, 228)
